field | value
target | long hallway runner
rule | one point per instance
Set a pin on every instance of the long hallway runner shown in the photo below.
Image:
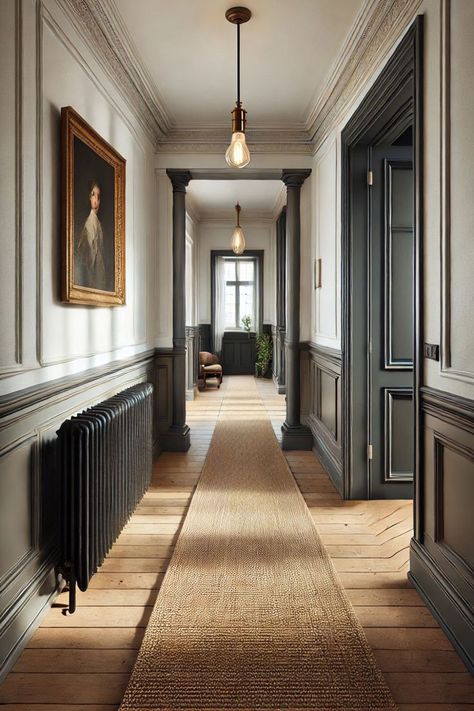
(251, 614)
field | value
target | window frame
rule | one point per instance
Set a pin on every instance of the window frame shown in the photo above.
(237, 283)
(258, 255)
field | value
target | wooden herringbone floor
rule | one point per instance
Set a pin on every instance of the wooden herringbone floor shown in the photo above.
(82, 662)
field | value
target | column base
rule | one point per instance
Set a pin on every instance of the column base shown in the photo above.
(176, 439)
(296, 437)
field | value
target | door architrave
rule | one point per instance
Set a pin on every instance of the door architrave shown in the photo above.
(393, 103)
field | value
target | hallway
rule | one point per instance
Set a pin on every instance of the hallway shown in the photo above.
(82, 662)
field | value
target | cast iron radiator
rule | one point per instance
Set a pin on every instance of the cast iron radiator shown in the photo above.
(106, 461)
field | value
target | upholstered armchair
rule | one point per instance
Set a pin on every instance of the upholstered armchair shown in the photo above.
(209, 367)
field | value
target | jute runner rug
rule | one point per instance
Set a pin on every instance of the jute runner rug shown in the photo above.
(251, 614)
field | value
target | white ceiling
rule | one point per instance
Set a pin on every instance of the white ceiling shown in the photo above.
(188, 49)
(217, 198)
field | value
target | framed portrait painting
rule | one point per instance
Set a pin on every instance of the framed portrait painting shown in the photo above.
(93, 204)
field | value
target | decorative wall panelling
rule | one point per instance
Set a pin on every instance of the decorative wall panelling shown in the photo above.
(279, 331)
(324, 417)
(30, 484)
(192, 360)
(40, 45)
(326, 302)
(457, 209)
(443, 550)
(279, 359)
(11, 188)
(163, 396)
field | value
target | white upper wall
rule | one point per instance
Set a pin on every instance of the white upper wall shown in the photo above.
(217, 235)
(447, 251)
(43, 338)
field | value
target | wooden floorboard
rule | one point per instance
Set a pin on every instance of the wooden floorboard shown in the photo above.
(82, 662)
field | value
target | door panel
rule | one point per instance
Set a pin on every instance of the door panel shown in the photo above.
(390, 322)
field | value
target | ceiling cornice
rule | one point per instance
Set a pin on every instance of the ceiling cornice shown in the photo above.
(216, 139)
(220, 217)
(374, 33)
(102, 28)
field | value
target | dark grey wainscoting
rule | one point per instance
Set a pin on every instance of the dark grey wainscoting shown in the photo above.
(279, 359)
(442, 554)
(193, 346)
(279, 332)
(324, 417)
(30, 485)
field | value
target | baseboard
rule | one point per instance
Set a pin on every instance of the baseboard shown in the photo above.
(453, 614)
(325, 453)
(31, 608)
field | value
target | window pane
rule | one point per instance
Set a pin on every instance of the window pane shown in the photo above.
(246, 271)
(229, 270)
(229, 307)
(247, 303)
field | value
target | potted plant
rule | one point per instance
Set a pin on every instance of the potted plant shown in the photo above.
(247, 323)
(264, 349)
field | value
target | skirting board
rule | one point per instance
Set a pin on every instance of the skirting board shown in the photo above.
(454, 616)
(332, 465)
(31, 612)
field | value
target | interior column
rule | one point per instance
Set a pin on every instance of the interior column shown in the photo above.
(178, 437)
(294, 434)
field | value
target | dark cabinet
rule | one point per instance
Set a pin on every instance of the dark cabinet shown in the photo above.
(238, 353)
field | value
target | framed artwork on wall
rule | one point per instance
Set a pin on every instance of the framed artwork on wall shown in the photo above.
(93, 216)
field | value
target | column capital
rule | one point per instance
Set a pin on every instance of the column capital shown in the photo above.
(179, 179)
(295, 177)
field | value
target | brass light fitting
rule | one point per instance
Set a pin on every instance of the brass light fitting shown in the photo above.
(237, 154)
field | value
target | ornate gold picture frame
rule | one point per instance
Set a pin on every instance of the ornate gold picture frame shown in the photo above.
(93, 216)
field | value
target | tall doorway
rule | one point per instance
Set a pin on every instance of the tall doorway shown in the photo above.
(390, 309)
(381, 220)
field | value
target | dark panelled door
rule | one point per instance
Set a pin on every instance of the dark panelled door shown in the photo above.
(391, 310)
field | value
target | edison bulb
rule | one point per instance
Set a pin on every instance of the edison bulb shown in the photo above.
(237, 155)
(238, 241)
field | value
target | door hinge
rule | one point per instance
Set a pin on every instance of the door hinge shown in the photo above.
(370, 177)
(370, 451)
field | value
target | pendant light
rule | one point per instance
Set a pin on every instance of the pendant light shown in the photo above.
(237, 154)
(238, 239)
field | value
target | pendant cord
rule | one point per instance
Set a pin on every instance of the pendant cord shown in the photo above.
(238, 64)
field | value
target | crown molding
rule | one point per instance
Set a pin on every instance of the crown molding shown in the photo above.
(373, 34)
(220, 218)
(215, 139)
(376, 30)
(102, 28)
(220, 148)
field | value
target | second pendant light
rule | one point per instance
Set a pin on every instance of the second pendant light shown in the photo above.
(238, 239)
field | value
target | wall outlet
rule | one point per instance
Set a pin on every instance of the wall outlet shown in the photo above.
(431, 351)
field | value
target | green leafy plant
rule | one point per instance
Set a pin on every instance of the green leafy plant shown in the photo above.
(247, 323)
(264, 350)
